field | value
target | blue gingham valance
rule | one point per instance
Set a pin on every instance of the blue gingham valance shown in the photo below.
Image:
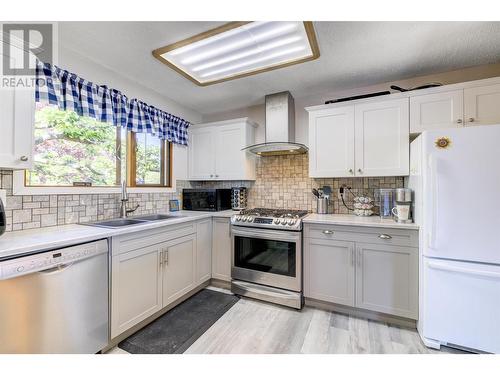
(70, 92)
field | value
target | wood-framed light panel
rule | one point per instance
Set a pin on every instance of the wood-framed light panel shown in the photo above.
(157, 53)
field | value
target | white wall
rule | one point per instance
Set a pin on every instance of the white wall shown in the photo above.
(257, 113)
(99, 74)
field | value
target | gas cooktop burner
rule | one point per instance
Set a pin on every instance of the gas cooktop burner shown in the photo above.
(270, 218)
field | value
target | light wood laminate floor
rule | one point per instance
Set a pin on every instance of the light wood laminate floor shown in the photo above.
(254, 327)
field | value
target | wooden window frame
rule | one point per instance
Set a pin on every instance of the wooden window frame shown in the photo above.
(166, 149)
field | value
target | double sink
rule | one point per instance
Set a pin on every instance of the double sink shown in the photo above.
(124, 222)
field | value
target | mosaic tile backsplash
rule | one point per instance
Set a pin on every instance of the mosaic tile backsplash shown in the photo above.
(282, 182)
(35, 211)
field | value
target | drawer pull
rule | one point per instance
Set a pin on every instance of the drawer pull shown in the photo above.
(328, 232)
(385, 236)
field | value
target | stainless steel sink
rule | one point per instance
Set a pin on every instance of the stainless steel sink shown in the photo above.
(118, 223)
(157, 217)
(115, 223)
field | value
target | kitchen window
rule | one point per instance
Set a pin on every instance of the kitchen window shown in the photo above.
(77, 151)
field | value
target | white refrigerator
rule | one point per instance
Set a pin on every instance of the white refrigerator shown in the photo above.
(455, 174)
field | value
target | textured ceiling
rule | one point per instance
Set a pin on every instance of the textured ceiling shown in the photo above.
(353, 54)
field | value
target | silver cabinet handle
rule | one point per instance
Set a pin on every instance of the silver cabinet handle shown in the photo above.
(350, 171)
(23, 158)
(216, 175)
(385, 236)
(352, 257)
(328, 232)
(166, 257)
(459, 121)
(358, 257)
(211, 175)
(471, 119)
(360, 170)
(161, 258)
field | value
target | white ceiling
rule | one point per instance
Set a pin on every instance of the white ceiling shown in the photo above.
(353, 54)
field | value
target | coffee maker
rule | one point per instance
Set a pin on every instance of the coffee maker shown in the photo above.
(402, 207)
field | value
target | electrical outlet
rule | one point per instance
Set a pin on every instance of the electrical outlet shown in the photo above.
(3, 196)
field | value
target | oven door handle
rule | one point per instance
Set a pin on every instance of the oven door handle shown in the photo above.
(267, 234)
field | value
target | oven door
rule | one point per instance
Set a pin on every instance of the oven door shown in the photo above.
(266, 256)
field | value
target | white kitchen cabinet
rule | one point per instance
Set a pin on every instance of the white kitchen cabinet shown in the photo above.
(17, 118)
(482, 105)
(331, 142)
(364, 140)
(179, 268)
(382, 146)
(329, 271)
(437, 111)
(221, 249)
(203, 250)
(136, 287)
(387, 279)
(215, 150)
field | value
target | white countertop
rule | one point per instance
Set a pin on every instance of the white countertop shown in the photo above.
(365, 221)
(33, 240)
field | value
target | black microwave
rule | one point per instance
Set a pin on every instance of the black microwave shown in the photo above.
(206, 199)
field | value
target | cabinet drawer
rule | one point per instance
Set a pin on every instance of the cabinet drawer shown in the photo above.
(128, 242)
(387, 236)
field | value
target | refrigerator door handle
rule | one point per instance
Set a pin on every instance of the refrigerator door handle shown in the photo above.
(434, 189)
(442, 267)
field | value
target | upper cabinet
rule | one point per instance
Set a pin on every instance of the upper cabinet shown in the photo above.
(382, 144)
(215, 150)
(331, 142)
(436, 111)
(469, 104)
(17, 112)
(362, 140)
(482, 105)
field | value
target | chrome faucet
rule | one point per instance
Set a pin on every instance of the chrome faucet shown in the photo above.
(123, 209)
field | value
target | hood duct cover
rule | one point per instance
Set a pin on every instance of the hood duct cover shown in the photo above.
(279, 128)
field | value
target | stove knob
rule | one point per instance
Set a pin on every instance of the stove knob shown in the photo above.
(283, 221)
(276, 221)
(20, 269)
(244, 218)
(250, 219)
(291, 221)
(237, 218)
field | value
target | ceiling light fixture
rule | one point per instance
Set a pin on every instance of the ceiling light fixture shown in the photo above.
(240, 49)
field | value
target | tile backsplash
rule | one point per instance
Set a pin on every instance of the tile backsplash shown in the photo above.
(35, 211)
(282, 182)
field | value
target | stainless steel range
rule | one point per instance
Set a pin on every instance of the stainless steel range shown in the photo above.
(267, 255)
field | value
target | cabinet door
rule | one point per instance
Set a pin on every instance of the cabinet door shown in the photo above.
(179, 262)
(482, 105)
(387, 279)
(221, 249)
(436, 111)
(229, 159)
(203, 250)
(329, 271)
(382, 144)
(17, 111)
(136, 287)
(331, 142)
(201, 159)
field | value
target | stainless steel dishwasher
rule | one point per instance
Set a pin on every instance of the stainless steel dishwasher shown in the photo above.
(55, 301)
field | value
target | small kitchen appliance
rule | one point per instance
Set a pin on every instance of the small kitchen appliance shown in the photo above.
(266, 249)
(206, 199)
(238, 198)
(385, 201)
(402, 207)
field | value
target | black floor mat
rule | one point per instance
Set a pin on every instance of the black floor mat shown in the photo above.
(179, 328)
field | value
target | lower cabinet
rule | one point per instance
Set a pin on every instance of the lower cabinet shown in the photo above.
(329, 271)
(136, 291)
(179, 265)
(373, 276)
(204, 250)
(387, 279)
(221, 249)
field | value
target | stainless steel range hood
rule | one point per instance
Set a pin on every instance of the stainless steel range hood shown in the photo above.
(279, 128)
